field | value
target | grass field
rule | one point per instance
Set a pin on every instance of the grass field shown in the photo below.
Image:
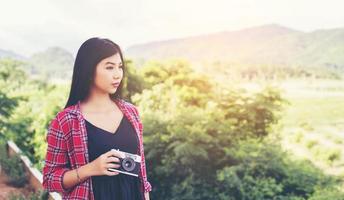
(313, 122)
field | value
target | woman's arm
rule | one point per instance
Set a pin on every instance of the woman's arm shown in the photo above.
(76, 176)
(97, 167)
(57, 176)
(56, 159)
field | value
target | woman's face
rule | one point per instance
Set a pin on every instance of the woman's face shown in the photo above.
(109, 73)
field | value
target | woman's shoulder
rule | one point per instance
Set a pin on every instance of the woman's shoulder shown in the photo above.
(128, 105)
(67, 114)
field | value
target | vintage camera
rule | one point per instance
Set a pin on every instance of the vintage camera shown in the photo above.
(129, 165)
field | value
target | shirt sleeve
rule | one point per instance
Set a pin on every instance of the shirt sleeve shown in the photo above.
(56, 160)
(146, 184)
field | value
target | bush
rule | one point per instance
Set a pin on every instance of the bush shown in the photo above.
(311, 143)
(266, 172)
(329, 155)
(212, 145)
(39, 195)
(298, 136)
(3, 150)
(13, 167)
(327, 193)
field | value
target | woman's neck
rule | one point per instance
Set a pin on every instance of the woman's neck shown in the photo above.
(98, 102)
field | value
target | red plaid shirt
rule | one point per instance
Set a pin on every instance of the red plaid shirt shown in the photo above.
(67, 149)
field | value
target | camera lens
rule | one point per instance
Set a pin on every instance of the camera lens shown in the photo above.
(128, 164)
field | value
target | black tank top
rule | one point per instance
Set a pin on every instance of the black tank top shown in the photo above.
(121, 186)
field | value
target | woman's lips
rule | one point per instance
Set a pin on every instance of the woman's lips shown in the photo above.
(115, 84)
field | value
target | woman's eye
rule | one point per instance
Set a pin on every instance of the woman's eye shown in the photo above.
(111, 67)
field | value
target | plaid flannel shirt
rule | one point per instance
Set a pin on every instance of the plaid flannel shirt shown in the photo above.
(67, 149)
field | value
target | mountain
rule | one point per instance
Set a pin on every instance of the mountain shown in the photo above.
(10, 54)
(55, 62)
(268, 44)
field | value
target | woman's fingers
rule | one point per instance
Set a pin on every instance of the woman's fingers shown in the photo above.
(112, 159)
(115, 153)
(111, 173)
(110, 165)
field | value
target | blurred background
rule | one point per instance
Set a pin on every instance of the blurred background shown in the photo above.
(240, 100)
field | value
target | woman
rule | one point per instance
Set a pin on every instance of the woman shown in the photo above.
(94, 121)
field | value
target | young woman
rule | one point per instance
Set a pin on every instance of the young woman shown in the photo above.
(94, 121)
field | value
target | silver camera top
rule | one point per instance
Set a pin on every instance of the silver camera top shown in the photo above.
(135, 157)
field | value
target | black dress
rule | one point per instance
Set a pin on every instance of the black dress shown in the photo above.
(121, 186)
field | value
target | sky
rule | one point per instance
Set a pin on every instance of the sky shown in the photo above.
(31, 26)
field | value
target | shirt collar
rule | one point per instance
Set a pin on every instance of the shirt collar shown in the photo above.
(75, 109)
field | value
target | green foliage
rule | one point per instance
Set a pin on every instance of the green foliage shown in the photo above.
(327, 193)
(215, 149)
(13, 168)
(10, 78)
(6, 107)
(202, 140)
(33, 104)
(251, 114)
(47, 105)
(39, 195)
(311, 143)
(329, 155)
(176, 81)
(11, 73)
(265, 172)
(298, 136)
(238, 72)
(132, 81)
(157, 72)
(3, 149)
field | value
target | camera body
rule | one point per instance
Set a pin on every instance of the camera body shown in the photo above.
(129, 165)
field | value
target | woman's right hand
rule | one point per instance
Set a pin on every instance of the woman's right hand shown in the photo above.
(105, 161)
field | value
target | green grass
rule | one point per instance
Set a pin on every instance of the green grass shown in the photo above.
(314, 112)
(313, 121)
(311, 143)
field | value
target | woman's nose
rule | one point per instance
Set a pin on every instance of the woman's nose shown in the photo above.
(117, 73)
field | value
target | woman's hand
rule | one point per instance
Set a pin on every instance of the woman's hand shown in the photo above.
(105, 161)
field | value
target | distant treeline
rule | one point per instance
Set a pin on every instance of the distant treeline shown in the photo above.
(273, 72)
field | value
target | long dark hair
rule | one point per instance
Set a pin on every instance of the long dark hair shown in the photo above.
(90, 53)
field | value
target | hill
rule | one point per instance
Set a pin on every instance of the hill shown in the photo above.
(268, 44)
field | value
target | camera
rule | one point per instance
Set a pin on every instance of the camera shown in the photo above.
(129, 165)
